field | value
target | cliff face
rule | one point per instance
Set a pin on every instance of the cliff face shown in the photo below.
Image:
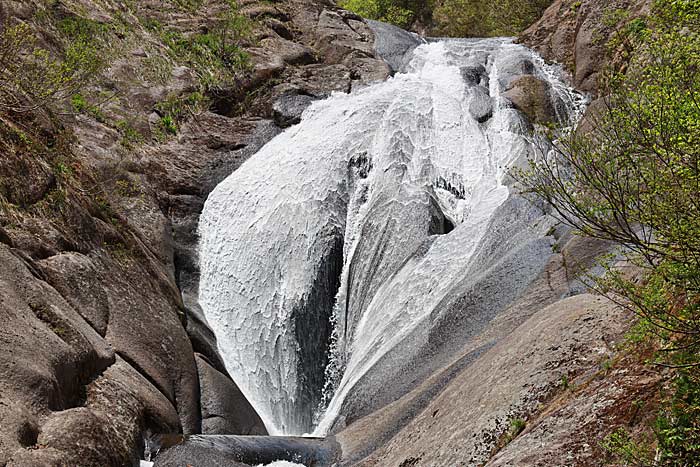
(576, 34)
(101, 340)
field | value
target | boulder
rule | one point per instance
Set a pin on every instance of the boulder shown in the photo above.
(531, 95)
(475, 75)
(288, 108)
(512, 67)
(575, 33)
(225, 410)
(393, 44)
(337, 41)
(480, 105)
(235, 451)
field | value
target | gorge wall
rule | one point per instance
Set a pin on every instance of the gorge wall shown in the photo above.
(102, 340)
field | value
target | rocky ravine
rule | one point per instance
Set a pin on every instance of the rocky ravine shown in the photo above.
(101, 339)
(103, 342)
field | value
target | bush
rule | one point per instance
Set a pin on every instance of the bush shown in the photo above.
(31, 78)
(216, 56)
(635, 180)
(485, 18)
(401, 13)
(176, 109)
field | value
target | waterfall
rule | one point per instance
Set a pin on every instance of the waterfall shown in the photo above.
(328, 258)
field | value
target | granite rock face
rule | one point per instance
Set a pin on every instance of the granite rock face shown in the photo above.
(394, 44)
(515, 376)
(530, 95)
(225, 409)
(575, 34)
(511, 370)
(101, 341)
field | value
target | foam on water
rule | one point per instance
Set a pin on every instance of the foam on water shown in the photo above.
(374, 181)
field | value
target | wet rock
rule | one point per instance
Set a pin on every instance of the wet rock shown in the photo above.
(288, 108)
(499, 275)
(249, 450)
(531, 96)
(524, 368)
(475, 75)
(393, 44)
(480, 106)
(512, 67)
(225, 410)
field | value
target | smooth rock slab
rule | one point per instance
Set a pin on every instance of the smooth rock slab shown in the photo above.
(508, 381)
(234, 451)
(225, 410)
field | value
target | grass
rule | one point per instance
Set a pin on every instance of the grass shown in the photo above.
(216, 55)
(130, 136)
(517, 425)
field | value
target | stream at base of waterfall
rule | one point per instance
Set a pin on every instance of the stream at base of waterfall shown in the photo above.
(342, 262)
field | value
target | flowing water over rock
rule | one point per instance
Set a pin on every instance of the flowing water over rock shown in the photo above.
(343, 261)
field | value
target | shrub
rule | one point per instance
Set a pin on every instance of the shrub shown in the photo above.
(177, 108)
(30, 78)
(168, 124)
(216, 56)
(395, 12)
(484, 18)
(635, 180)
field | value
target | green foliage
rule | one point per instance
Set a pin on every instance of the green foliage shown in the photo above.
(77, 28)
(621, 447)
(400, 13)
(517, 425)
(31, 77)
(678, 426)
(635, 180)
(216, 56)
(127, 188)
(167, 123)
(187, 5)
(484, 18)
(176, 109)
(81, 105)
(129, 135)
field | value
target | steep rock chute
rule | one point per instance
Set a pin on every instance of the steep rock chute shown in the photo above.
(342, 261)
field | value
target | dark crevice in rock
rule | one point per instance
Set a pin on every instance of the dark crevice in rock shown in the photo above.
(457, 191)
(28, 434)
(29, 263)
(361, 164)
(73, 377)
(5, 238)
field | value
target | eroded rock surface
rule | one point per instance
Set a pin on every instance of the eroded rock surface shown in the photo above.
(575, 34)
(506, 382)
(98, 229)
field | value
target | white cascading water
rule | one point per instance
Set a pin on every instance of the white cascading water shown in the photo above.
(369, 212)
